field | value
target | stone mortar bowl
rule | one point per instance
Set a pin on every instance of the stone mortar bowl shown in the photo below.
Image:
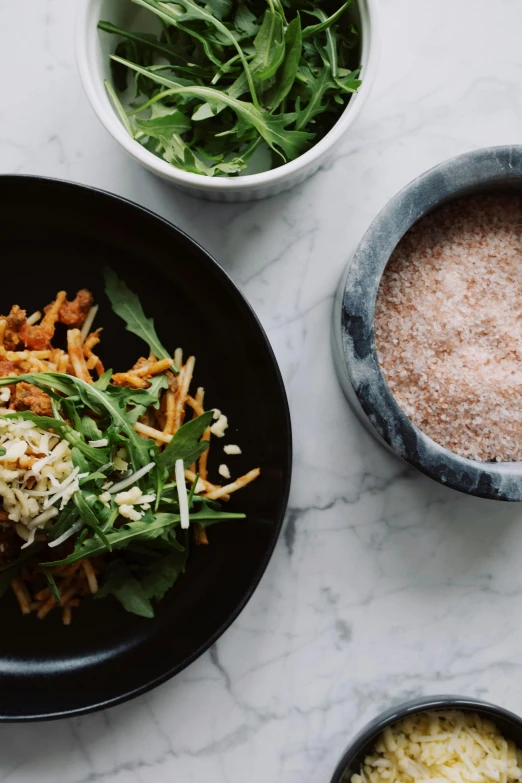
(355, 355)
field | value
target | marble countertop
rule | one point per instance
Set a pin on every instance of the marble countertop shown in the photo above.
(384, 585)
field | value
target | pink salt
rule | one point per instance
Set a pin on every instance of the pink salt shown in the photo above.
(448, 326)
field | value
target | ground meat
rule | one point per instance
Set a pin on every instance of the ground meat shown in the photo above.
(74, 313)
(7, 369)
(30, 398)
(15, 321)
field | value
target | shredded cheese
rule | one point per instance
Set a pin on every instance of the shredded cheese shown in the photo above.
(182, 494)
(132, 479)
(231, 448)
(35, 473)
(442, 746)
(224, 471)
(218, 429)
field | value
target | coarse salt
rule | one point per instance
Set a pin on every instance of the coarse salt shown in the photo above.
(448, 326)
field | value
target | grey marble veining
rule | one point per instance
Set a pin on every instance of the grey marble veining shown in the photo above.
(384, 585)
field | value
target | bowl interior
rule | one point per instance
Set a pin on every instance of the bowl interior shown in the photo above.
(509, 725)
(57, 235)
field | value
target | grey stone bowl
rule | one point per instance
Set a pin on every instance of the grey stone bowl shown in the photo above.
(509, 725)
(493, 168)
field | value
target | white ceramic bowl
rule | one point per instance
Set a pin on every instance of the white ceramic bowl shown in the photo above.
(92, 52)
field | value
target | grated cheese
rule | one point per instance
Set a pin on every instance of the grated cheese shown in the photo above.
(130, 497)
(218, 429)
(442, 746)
(224, 471)
(182, 494)
(129, 512)
(231, 448)
(35, 472)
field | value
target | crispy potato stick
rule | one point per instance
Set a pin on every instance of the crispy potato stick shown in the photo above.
(190, 475)
(53, 312)
(75, 349)
(238, 484)
(129, 379)
(19, 356)
(178, 358)
(144, 429)
(153, 369)
(91, 576)
(200, 535)
(203, 470)
(46, 607)
(66, 615)
(196, 406)
(22, 595)
(93, 361)
(170, 412)
(199, 400)
(57, 354)
(63, 363)
(3, 327)
(184, 384)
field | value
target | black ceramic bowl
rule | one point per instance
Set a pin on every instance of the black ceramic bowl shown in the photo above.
(358, 369)
(509, 725)
(58, 235)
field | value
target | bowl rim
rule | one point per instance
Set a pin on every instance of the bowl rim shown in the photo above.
(227, 281)
(375, 726)
(85, 45)
(470, 173)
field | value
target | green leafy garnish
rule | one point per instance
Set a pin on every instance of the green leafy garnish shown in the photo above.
(221, 83)
(127, 305)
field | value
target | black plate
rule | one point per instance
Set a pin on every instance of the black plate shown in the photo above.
(58, 235)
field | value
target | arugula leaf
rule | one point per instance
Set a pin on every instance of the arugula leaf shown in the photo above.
(326, 22)
(52, 586)
(164, 125)
(287, 73)
(141, 404)
(269, 45)
(143, 530)
(88, 516)
(120, 583)
(127, 305)
(244, 20)
(186, 443)
(164, 573)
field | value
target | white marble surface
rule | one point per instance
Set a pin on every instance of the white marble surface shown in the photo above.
(383, 585)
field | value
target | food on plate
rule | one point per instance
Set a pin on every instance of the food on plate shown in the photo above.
(228, 87)
(104, 478)
(445, 745)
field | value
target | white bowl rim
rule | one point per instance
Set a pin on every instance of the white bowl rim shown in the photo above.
(85, 45)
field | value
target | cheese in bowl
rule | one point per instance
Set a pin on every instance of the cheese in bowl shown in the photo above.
(442, 746)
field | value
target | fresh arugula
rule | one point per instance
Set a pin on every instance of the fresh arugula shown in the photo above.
(127, 305)
(186, 443)
(220, 80)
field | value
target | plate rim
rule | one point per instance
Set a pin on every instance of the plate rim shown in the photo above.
(232, 617)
